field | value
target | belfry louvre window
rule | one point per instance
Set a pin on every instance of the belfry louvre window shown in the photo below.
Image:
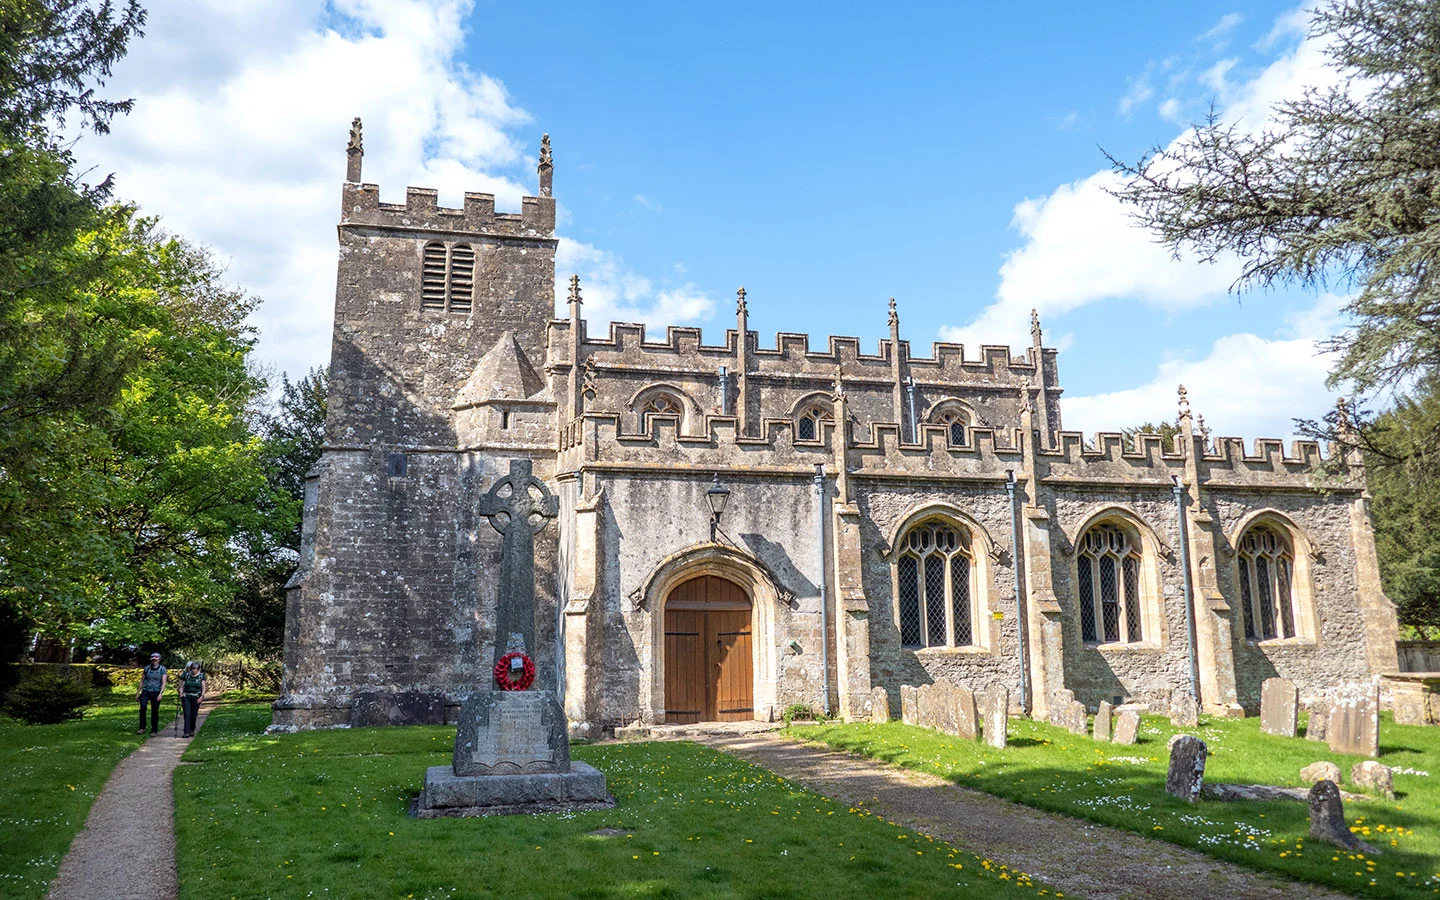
(447, 277)
(1109, 586)
(1267, 584)
(936, 574)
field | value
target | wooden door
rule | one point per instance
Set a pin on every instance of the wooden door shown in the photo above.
(709, 665)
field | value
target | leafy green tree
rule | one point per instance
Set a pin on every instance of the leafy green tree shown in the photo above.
(1167, 431)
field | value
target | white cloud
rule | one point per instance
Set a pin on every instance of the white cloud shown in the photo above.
(1139, 92)
(1079, 245)
(647, 203)
(238, 139)
(1215, 78)
(1220, 32)
(612, 292)
(1245, 385)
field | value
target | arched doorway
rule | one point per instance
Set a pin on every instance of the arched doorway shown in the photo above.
(709, 662)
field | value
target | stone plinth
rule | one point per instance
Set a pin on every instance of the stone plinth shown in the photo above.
(448, 794)
(511, 733)
(1279, 707)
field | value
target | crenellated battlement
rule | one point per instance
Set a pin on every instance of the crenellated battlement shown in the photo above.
(421, 212)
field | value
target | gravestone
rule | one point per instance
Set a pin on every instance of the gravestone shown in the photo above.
(512, 752)
(1101, 729)
(1184, 712)
(908, 713)
(1279, 707)
(1187, 768)
(1072, 717)
(1127, 725)
(1354, 725)
(997, 716)
(1327, 818)
(1316, 727)
(879, 704)
(937, 707)
(1371, 774)
(967, 716)
(1320, 771)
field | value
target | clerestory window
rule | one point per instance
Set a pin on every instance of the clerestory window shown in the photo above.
(808, 425)
(1108, 567)
(447, 277)
(937, 589)
(1267, 584)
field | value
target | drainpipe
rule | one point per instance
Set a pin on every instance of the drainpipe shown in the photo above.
(1020, 617)
(1179, 493)
(910, 399)
(824, 609)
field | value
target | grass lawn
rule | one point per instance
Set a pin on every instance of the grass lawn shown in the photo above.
(52, 774)
(1124, 786)
(323, 814)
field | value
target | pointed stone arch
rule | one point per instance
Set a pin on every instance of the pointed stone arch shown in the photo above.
(1302, 579)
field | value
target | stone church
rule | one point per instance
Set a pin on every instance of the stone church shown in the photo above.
(724, 529)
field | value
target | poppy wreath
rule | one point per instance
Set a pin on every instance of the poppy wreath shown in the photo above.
(502, 673)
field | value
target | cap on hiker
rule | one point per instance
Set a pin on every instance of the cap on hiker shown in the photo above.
(154, 656)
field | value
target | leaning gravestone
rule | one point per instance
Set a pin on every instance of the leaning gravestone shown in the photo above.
(1327, 818)
(1127, 725)
(512, 752)
(997, 716)
(1187, 768)
(967, 716)
(1317, 725)
(879, 705)
(1354, 725)
(908, 705)
(1279, 706)
(1184, 711)
(1101, 729)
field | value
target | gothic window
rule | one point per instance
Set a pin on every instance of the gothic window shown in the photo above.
(1267, 584)
(1108, 566)
(447, 277)
(954, 422)
(808, 427)
(936, 575)
(662, 405)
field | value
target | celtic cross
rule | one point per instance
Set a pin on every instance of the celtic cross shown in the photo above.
(517, 506)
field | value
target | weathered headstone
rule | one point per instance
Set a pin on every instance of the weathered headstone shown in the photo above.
(512, 752)
(967, 716)
(1327, 818)
(1127, 725)
(1279, 707)
(1073, 717)
(1187, 768)
(908, 705)
(938, 707)
(1374, 776)
(1184, 712)
(879, 704)
(1103, 714)
(1355, 722)
(997, 716)
(1316, 726)
(1320, 771)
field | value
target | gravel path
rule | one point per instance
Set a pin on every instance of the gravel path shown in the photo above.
(127, 849)
(1077, 857)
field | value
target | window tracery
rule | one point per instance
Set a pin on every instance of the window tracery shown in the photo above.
(663, 405)
(808, 424)
(1267, 584)
(937, 586)
(1108, 565)
(955, 423)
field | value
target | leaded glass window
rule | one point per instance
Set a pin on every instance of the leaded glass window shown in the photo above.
(954, 422)
(1267, 584)
(807, 426)
(1108, 568)
(936, 572)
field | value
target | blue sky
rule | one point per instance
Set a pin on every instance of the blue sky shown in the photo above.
(827, 157)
